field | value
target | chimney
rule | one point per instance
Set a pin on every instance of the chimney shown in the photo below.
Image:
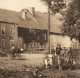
(23, 14)
(32, 11)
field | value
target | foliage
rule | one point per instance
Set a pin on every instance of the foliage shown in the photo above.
(55, 5)
(71, 26)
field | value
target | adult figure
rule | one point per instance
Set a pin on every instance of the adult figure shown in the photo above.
(58, 52)
(55, 60)
(13, 50)
(58, 49)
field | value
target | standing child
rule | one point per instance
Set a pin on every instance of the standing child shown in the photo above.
(59, 63)
(46, 62)
(74, 64)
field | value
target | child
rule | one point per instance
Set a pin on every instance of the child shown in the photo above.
(36, 72)
(46, 62)
(74, 65)
(59, 63)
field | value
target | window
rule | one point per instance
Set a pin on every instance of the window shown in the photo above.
(3, 43)
(11, 31)
(2, 30)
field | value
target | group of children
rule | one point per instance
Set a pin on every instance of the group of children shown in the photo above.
(61, 58)
(53, 58)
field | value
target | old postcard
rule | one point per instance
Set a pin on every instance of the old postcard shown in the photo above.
(39, 39)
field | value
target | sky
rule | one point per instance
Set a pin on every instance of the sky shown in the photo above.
(17, 5)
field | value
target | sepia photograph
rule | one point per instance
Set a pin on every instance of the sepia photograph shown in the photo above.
(39, 38)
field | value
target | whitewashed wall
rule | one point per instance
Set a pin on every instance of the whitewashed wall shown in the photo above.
(64, 41)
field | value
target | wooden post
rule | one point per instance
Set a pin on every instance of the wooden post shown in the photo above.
(49, 29)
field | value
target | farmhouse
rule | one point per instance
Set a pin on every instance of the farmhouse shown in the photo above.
(28, 29)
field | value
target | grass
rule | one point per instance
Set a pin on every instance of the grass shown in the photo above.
(16, 68)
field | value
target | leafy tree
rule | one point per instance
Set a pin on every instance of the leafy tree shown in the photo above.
(55, 5)
(71, 26)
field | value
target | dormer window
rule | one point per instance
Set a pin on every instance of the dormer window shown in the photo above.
(28, 14)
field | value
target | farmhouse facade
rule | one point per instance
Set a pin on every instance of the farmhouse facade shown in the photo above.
(28, 29)
(21, 29)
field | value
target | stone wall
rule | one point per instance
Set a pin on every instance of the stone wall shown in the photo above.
(10, 35)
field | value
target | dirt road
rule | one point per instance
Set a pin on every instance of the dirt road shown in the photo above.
(27, 60)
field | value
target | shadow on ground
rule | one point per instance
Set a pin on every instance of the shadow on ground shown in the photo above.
(47, 73)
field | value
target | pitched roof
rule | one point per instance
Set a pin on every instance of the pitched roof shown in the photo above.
(42, 18)
(55, 23)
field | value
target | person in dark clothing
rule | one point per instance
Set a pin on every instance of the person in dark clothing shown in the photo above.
(58, 49)
(36, 72)
(13, 50)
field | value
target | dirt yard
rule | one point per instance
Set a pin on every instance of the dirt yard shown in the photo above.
(27, 60)
(23, 68)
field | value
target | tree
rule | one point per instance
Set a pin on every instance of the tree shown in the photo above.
(71, 26)
(55, 5)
